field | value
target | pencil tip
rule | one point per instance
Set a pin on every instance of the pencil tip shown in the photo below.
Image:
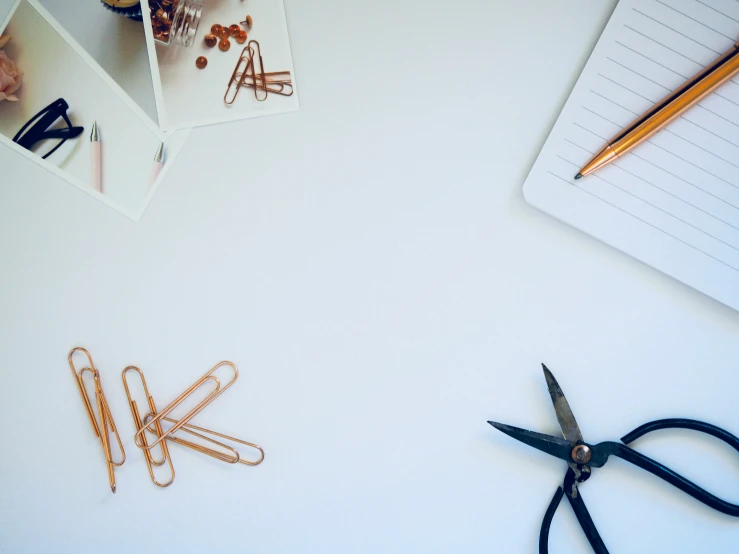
(94, 135)
(578, 176)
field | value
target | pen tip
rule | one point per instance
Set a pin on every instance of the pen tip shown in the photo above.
(578, 176)
(159, 157)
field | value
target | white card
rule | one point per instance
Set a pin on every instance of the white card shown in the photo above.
(189, 97)
(54, 66)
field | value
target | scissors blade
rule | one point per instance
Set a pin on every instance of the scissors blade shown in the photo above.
(566, 419)
(554, 446)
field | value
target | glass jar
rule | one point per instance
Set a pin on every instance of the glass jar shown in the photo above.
(175, 21)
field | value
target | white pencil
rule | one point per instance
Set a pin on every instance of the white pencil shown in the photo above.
(96, 156)
(158, 165)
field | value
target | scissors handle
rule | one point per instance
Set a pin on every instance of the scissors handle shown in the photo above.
(675, 479)
(583, 516)
(680, 423)
(547, 521)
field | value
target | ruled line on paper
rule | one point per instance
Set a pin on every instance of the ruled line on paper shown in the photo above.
(724, 97)
(589, 131)
(665, 46)
(735, 206)
(605, 118)
(668, 89)
(662, 169)
(666, 67)
(693, 19)
(644, 221)
(625, 87)
(678, 32)
(718, 115)
(616, 103)
(651, 60)
(655, 206)
(658, 208)
(665, 190)
(706, 150)
(694, 165)
(669, 152)
(679, 198)
(717, 11)
(709, 131)
(654, 102)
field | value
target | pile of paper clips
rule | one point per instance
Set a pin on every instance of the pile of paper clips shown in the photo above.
(249, 72)
(150, 432)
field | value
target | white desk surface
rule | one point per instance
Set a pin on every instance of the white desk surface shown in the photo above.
(371, 266)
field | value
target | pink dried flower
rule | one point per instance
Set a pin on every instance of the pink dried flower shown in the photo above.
(10, 78)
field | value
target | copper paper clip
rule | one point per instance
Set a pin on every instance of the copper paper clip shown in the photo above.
(257, 73)
(272, 84)
(236, 82)
(249, 72)
(106, 418)
(232, 457)
(152, 423)
(139, 423)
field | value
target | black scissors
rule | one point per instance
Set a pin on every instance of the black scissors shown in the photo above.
(581, 456)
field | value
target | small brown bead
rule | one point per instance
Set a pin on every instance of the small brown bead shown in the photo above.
(224, 45)
(215, 29)
(234, 30)
(241, 37)
(211, 40)
(223, 32)
(201, 62)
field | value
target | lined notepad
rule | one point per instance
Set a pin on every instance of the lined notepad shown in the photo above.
(673, 202)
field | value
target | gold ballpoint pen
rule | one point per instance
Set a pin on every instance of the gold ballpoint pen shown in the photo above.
(692, 92)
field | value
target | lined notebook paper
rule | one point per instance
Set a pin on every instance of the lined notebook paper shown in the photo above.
(673, 202)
